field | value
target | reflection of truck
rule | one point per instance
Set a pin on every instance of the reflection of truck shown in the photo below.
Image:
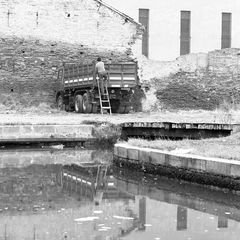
(91, 180)
(78, 87)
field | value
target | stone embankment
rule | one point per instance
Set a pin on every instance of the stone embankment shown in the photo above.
(223, 173)
(46, 133)
(80, 134)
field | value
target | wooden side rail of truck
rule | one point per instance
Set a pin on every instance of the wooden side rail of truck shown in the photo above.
(78, 88)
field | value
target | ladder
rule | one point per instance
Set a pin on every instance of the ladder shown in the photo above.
(104, 98)
(101, 178)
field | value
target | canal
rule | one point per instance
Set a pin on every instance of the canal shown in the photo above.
(78, 194)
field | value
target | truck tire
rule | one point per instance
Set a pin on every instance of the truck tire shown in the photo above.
(124, 109)
(94, 108)
(60, 104)
(121, 109)
(114, 105)
(87, 105)
(68, 108)
(127, 109)
(78, 103)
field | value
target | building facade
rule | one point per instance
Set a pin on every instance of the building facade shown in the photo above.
(178, 27)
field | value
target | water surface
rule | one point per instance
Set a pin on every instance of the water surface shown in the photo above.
(78, 194)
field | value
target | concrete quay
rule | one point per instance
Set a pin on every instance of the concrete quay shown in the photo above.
(63, 127)
(223, 173)
(46, 133)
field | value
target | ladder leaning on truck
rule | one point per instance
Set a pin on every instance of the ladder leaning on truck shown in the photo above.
(78, 88)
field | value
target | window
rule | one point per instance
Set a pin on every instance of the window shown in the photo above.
(185, 27)
(226, 30)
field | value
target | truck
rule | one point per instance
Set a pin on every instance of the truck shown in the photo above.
(78, 88)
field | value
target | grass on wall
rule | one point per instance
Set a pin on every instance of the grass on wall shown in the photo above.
(227, 147)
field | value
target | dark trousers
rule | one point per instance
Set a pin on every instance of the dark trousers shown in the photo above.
(102, 80)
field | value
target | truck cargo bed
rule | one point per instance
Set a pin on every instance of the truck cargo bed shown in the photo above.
(119, 75)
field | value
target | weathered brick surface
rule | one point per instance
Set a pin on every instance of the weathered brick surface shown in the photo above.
(39, 36)
(203, 88)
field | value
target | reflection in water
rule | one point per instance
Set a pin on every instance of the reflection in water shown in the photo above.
(142, 213)
(181, 218)
(93, 182)
(199, 212)
(222, 222)
(79, 195)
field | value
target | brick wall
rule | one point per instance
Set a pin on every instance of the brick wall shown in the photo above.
(203, 88)
(36, 37)
(83, 22)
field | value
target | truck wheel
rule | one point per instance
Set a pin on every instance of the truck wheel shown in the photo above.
(94, 108)
(121, 109)
(78, 103)
(87, 105)
(114, 105)
(127, 109)
(68, 108)
(60, 104)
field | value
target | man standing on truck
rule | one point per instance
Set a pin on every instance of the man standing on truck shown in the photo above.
(102, 74)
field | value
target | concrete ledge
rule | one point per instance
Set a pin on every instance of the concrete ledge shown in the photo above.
(185, 166)
(14, 133)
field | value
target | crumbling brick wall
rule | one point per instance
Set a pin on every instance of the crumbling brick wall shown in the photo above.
(37, 37)
(29, 68)
(205, 88)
